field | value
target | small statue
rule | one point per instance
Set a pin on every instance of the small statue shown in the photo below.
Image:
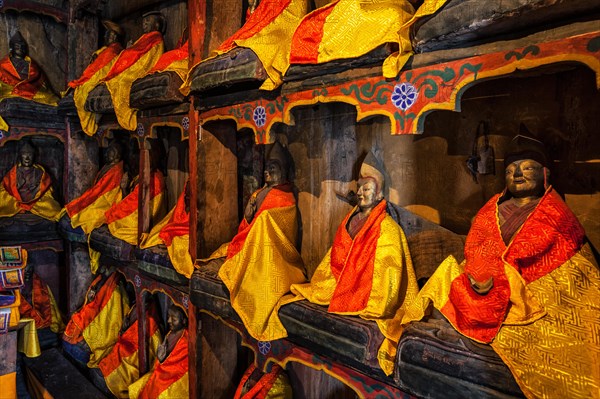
(262, 260)
(38, 303)
(27, 187)
(22, 77)
(368, 271)
(529, 283)
(88, 210)
(133, 63)
(172, 361)
(101, 62)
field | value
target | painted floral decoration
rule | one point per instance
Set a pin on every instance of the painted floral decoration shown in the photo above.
(259, 116)
(264, 347)
(404, 96)
(185, 122)
(140, 129)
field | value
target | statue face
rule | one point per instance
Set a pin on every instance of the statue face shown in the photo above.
(26, 157)
(112, 155)
(150, 23)
(367, 194)
(525, 178)
(110, 37)
(273, 173)
(175, 319)
(19, 49)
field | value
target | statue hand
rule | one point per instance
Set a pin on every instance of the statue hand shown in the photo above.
(250, 209)
(161, 352)
(481, 288)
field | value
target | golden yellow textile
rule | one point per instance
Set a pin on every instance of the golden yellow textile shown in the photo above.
(3, 124)
(263, 270)
(178, 389)
(120, 86)
(394, 287)
(558, 356)
(8, 382)
(272, 44)
(28, 342)
(103, 331)
(126, 228)
(88, 119)
(93, 216)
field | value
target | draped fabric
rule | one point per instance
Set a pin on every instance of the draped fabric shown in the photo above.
(88, 211)
(92, 75)
(271, 385)
(168, 379)
(120, 367)
(43, 204)
(122, 217)
(99, 321)
(174, 61)
(351, 28)
(263, 262)
(3, 125)
(174, 232)
(35, 87)
(541, 315)
(377, 267)
(268, 33)
(133, 63)
(42, 308)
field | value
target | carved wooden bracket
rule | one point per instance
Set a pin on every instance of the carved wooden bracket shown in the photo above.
(60, 15)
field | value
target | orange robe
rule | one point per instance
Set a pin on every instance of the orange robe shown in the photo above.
(133, 63)
(370, 275)
(541, 314)
(175, 60)
(43, 204)
(120, 367)
(174, 232)
(88, 211)
(104, 56)
(99, 321)
(42, 309)
(168, 379)
(35, 87)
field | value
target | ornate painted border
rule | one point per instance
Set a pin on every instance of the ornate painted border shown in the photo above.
(407, 99)
(17, 133)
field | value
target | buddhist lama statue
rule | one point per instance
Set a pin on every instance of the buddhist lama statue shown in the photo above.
(368, 271)
(27, 187)
(528, 285)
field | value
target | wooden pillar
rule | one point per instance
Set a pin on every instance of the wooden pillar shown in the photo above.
(144, 191)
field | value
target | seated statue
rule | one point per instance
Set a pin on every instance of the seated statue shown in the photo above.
(528, 285)
(94, 329)
(368, 271)
(120, 367)
(168, 378)
(175, 60)
(20, 76)
(88, 210)
(27, 187)
(102, 61)
(174, 232)
(134, 62)
(261, 261)
(38, 303)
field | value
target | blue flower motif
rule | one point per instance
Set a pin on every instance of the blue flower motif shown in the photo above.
(185, 122)
(264, 347)
(404, 96)
(185, 300)
(1, 134)
(140, 129)
(138, 281)
(259, 116)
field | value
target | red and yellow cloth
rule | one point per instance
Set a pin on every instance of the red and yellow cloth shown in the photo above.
(91, 76)
(272, 385)
(120, 367)
(35, 87)
(370, 276)
(541, 315)
(99, 321)
(174, 232)
(351, 28)
(43, 204)
(166, 380)
(268, 33)
(122, 217)
(133, 63)
(88, 211)
(42, 308)
(263, 262)
(173, 61)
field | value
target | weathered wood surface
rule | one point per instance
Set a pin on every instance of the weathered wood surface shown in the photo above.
(463, 22)
(26, 113)
(156, 90)
(223, 19)
(99, 101)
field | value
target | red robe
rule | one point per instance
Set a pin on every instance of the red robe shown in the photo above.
(26, 88)
(104, 56)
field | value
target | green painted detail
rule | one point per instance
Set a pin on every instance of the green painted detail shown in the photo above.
(474, 69)
(368, 93)
(593, 45)
(533, 50)
(320, 92)
(235, 111)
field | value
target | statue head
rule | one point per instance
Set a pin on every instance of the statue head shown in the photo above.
(277, 167)
(113, 32)
(176, 319)
(526, 171)
(153, 21)
(370, 183)
(26, 154)
(113, 153)
(18, 46)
